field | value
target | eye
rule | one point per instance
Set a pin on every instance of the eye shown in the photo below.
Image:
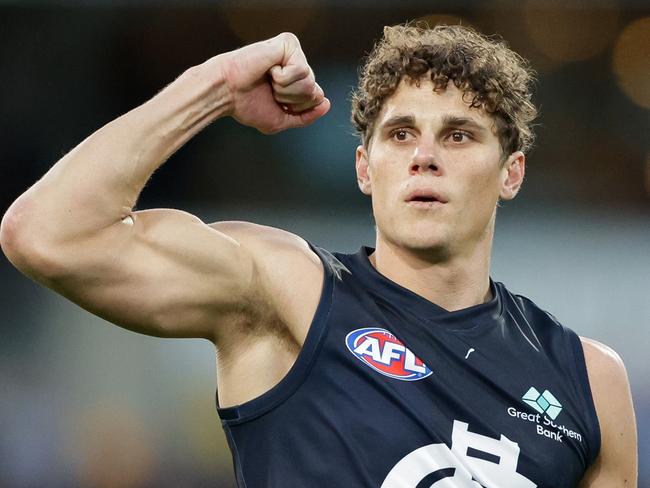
(458, 136)
(400, 135)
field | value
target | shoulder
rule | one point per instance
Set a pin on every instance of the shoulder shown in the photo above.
(274, 251)
(603, 361)
(616, 464)
(608, 380)
(252, 233)
(289, 273)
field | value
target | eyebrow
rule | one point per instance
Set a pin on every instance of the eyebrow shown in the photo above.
(447, 121)
(399, 120)
(455, 121)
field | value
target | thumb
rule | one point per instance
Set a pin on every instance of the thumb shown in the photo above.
(308, 117)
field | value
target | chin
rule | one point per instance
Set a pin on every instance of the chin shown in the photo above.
(423, 243)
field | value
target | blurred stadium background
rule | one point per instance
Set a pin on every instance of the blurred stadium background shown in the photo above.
(86, 404)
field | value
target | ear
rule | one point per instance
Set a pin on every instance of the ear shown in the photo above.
(363, 170)
(512, 175)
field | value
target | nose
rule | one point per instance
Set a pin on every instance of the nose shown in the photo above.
(425, 160)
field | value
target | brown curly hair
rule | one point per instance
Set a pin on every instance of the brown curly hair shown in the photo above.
(490, 75)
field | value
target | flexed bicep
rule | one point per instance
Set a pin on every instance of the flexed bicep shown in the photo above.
(160, 272)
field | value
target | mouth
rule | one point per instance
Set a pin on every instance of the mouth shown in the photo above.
(425, 199)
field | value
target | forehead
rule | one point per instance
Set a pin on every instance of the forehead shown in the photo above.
(428, 105)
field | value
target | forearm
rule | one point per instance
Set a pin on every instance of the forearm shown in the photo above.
(97, 183)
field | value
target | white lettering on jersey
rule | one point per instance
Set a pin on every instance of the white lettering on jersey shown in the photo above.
(391, 351)
(369, 346)
(409, 363)
(501, 472)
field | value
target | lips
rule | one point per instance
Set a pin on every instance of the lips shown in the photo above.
(425, 196)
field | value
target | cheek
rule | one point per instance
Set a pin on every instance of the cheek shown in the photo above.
(385, 198)
(382, 201)
(383, 182)
(481, 190)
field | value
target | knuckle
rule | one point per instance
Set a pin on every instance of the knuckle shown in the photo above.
(281, 84)
(278, 80)
(302, 71)
(289, 37)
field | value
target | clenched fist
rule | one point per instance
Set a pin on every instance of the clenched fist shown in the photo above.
(271, 85)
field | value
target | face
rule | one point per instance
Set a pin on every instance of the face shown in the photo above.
(435, 171)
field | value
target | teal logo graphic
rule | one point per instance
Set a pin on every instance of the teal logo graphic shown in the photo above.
(543, 403)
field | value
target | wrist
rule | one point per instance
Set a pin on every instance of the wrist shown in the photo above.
(207, 86)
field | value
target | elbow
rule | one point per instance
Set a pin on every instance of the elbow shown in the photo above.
(9, 241)
(22, 247)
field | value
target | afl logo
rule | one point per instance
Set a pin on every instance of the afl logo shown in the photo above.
(386, 354)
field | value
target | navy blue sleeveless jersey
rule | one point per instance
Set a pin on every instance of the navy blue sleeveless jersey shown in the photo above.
(392, 391)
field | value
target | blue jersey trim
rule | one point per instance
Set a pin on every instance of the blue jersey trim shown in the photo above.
(583, 376)
(297, 374)
(239, 473)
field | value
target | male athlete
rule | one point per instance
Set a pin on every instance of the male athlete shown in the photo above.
(399, 366)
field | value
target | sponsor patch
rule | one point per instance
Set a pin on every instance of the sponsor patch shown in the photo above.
(386, 354)
(543, 402)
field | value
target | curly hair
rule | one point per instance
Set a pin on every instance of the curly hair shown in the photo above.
(490, 75)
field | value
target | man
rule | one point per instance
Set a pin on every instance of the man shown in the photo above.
(402, 366)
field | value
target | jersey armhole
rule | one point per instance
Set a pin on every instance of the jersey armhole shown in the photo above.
(585, 389)
(298, 372)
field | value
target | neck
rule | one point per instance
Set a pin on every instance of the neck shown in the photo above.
(453, 283)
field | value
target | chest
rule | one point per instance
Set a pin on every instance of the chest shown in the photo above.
(471, 412)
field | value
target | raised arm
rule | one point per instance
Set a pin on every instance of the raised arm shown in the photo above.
(160, 272)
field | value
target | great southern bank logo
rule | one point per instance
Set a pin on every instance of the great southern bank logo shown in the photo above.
(548, 408)
(543, 402)
(386, 354)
